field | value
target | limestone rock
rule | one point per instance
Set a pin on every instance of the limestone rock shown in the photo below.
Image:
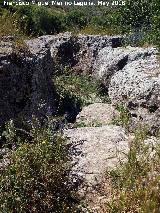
(110, 60)
(78, 51)
(26, 86)
(25, 82)
(131, 76)
(137, 80)
(97, 114)
(137, 86)
(96, 149)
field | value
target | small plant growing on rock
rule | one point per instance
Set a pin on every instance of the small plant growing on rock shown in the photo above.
(135, 186)
(81, 87)
(20, 48)
(123, 118)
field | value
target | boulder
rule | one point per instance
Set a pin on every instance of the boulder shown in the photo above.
(131, 75)
(137, 86)
(111, 60)
(94, 150)
(97, 114)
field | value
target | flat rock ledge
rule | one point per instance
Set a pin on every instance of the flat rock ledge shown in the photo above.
(97, 114)
(94, 150)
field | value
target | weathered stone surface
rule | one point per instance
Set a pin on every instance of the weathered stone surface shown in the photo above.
(25, 82)
(78, 51)
(138, 80)
(132, 77)
(90, 45)
(110, 60)
(97, 114)
(137, 86)
(96, 149)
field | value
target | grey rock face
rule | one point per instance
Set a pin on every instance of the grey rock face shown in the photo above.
(137, 86)
(25, 82)
(97, 114)
(96, 149)
(78, 51)
(138, 78)
(89, 48)
(110, 60)
(132, 77)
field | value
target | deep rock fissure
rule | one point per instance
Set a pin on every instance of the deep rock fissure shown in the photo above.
(123, 72)
(47, 55)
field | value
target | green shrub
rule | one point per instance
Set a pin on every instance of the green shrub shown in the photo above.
(136, 13)
(76, 19)
(36, 179)
(82, 88)
(155, 29)
(8, 24)
(36, 20)
(135, 185)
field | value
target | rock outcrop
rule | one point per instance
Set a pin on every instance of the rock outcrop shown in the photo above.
(25, 82)
(96, 149)
(26, 86)
(79, 52)
(97, 114)
(132, 77)
(111, 60)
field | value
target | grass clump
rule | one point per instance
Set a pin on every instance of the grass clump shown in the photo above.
(83, 89)
(123, 118)
(136, 185)
(8, 24)
(36, 177)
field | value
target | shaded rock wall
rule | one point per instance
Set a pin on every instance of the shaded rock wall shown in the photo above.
(79, 52)
(25, 82)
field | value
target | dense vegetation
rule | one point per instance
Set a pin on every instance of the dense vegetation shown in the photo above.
(140, 16)
(35, 178)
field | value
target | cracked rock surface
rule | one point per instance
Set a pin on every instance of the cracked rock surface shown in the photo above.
(97, 114)
(96, 149)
